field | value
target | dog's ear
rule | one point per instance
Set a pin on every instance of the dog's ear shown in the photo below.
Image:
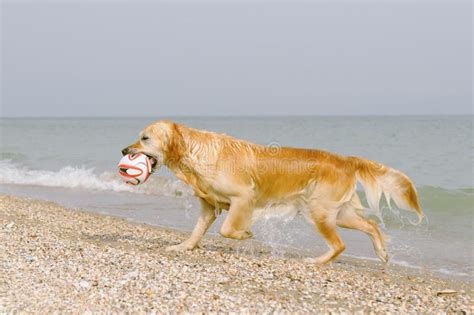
(162, 131)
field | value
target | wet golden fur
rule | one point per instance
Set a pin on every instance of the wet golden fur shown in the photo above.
(240, 176)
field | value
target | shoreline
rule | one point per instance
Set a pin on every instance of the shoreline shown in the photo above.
(68, 260)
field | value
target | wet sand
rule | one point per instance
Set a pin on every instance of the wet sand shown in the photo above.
(66, 260)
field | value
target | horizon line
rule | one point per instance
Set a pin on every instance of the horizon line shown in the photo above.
(244, 116)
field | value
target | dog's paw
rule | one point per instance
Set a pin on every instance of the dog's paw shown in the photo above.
(246, 235)
(237, 235)
(242, 235)
(383, 256)
(180, 248)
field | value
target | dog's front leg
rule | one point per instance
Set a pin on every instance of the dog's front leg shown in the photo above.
(207, 217)
(237, 223)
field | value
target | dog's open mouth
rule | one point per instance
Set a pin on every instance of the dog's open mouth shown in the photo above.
(153, 161)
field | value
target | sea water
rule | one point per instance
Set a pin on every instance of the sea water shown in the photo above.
(73, 162)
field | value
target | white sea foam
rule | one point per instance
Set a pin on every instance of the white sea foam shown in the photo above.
(87, 178)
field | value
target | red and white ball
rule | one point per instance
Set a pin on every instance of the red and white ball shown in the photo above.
(135, 168)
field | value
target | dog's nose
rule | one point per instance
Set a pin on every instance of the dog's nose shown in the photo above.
(125, 151)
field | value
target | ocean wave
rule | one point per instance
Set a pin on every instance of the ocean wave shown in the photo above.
(86, 178)
(432, 198)
(437, 198)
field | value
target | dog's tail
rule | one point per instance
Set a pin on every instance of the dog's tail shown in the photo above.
(377, 179)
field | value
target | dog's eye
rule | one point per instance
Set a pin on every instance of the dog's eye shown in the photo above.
(145, 138)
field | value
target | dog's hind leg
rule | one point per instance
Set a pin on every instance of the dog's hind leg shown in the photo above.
(237, 223)
(207, 217)
(350, 219)
(325, 221)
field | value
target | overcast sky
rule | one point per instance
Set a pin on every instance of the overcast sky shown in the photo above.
(133, 58)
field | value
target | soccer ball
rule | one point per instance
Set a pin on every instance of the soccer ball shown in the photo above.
(135, 168)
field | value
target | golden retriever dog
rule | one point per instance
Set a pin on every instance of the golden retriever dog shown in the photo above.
(240, 176)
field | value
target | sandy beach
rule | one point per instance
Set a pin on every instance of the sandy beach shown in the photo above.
(66, 260)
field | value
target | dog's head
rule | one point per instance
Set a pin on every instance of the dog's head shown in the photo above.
(156, 141)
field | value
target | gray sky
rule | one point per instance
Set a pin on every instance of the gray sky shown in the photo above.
(110, 58)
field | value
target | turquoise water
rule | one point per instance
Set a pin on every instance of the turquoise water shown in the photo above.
(73, 161)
